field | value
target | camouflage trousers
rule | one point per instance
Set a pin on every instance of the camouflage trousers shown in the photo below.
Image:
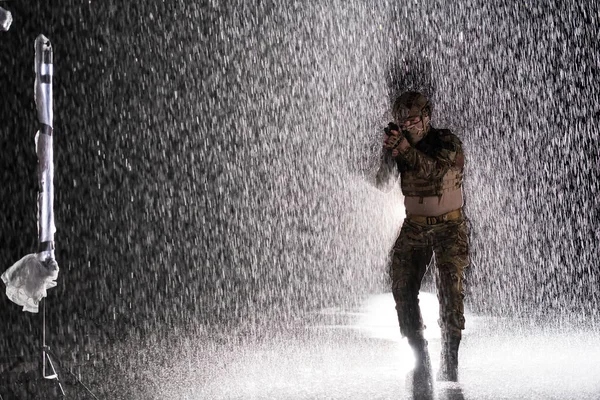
(412, 254)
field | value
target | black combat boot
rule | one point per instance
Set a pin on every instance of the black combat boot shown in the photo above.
(449, 359)
(422, 379)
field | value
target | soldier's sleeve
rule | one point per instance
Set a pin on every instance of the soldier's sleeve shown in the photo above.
(449, 155)
(387, 174)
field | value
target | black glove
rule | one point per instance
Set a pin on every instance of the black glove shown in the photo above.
(391, 127)
(395, 141)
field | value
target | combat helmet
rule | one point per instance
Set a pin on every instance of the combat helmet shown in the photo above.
(410, 105)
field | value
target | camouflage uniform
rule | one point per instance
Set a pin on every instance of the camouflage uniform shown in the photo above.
(431, 167)
(422, 170)
(412, 253)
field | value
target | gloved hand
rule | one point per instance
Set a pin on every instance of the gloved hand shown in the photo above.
(393, 140)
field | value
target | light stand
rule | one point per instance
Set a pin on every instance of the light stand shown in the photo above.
(44, 71)
(48, 356)
(46, 359)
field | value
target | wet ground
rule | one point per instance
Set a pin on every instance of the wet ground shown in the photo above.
(355, 354)
(347, 355)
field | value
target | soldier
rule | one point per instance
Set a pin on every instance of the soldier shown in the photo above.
(430, 162)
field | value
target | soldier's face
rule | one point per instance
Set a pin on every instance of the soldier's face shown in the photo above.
(411, 121)
(416, 126)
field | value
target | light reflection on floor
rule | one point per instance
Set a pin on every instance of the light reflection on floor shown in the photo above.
(366, 359)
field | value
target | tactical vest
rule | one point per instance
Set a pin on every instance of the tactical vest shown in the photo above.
(416, 186)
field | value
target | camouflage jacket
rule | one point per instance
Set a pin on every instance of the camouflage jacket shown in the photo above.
(430, 168)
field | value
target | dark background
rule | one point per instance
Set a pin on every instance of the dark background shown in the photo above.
(203, 154)
(185, 193)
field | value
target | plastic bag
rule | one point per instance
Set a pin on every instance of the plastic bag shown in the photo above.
(28, 280)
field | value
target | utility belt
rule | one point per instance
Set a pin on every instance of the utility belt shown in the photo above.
(427, 220)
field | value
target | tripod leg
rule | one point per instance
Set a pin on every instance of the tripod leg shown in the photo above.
(54, 374)
(46, 356)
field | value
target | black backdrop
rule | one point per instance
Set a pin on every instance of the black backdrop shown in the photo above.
(134, 256)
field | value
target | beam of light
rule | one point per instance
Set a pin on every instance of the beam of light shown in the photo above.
(379, 319)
